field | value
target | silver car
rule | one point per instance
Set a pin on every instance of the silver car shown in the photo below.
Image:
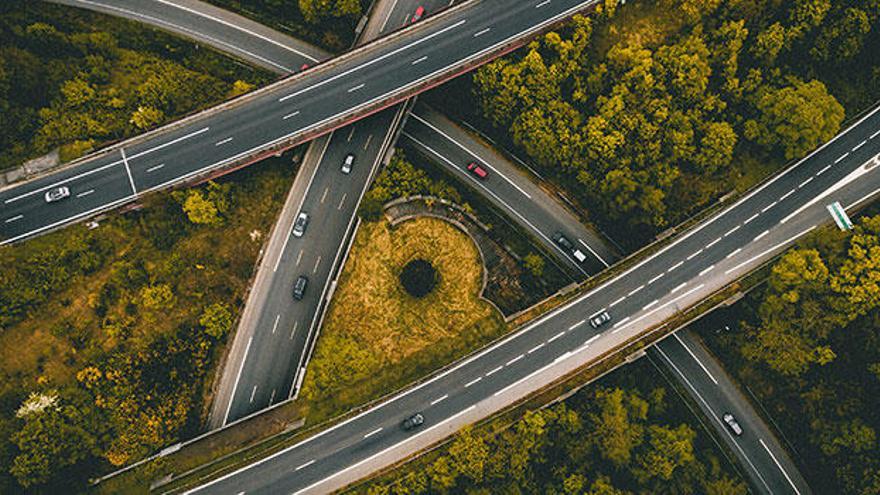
(57, 194)
(731, 423)
(302, 221)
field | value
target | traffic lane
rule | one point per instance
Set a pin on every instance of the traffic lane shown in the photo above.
(587, 240)
(272, 361)
(87, 194)
(224, 30)
(438, 46)
(501, 376)
(717, 395)
(504, 190)
(315, 459)
(435, 148)
(301, 320)
(646, 313)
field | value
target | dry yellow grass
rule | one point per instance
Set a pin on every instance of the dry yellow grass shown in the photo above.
(373, 307)
(376, 336)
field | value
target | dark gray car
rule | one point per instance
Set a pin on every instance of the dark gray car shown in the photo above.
(299, 287)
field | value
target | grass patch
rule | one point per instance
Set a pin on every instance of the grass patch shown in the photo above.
(81, 316)
(377, 337)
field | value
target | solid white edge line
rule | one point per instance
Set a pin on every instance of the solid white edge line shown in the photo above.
(375, 60)
(689, 351)
(771, 249)
(237, 378)
(714, 415)
(382, 452)
(239, 28)
(524, 330)
(778, 465)
(469, 152)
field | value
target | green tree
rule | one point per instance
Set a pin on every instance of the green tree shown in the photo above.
(200, 210)
(797, 314)
(469, 453)
(216, 319)
(147, 117)
(53, 440)
(443, 474)
(668, 449)
(157, 297)
(797, 118)
(534, 264)
(316, 11)
(617, 419)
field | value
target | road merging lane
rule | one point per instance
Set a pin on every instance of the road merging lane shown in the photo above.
(499, 371)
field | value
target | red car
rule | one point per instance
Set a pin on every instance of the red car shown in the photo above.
(477, 170)
(304, 67)
(420, 12)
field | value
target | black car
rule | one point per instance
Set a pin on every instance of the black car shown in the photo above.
(299, 287)
(413, 421)
(563, 241)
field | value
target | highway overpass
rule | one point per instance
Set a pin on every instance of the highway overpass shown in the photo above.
(694, 265)
(279, 116)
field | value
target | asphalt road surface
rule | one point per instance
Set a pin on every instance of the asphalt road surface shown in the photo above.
(508, 188)
(696, 264)
(280, 115)
(213, 26)
(764, 462)
(438, 139)
(263, 368)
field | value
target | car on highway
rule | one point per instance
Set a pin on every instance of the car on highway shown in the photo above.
(476, 169)
(347, 163)
(302, 221)
(420, 12)
(57, 194)
(600, 319)
(563, 242)
(299, 287)
(413, 421)
(731, 423)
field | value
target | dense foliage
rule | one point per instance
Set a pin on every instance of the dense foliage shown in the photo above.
(613, 439)
(811, 351)
(107, 336)
(77, 80)
(400, 179)
(641, 109)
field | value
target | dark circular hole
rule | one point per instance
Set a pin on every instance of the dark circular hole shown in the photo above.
(418, 277)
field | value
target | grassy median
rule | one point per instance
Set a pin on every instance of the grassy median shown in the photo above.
(377, 337)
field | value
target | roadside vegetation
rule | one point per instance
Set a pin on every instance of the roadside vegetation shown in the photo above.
(377, 336)
(649, 112)
(623, 435)
(329, 24)
(77, 80)
(808, 348)
(109, 337)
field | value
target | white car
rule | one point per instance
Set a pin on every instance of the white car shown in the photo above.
(57, 194)
(600, 319)
(302, 221)
(347, 163)
(732, 424)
